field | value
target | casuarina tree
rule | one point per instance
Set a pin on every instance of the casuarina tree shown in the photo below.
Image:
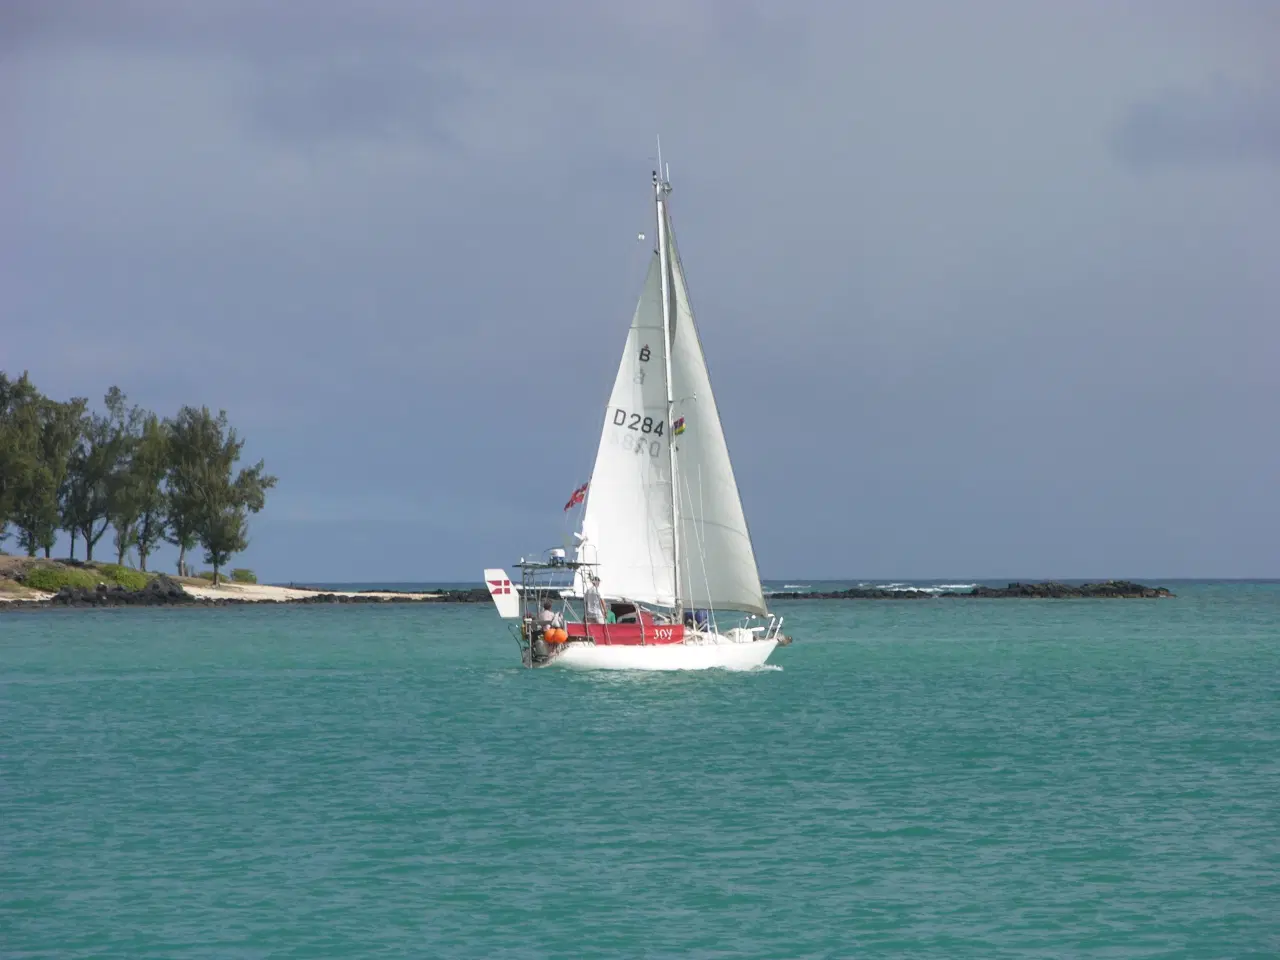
(18, 440)
(94, 469)
(56, 432)
(124, 492)
(36, 438)
(148, 468)
(208, 499)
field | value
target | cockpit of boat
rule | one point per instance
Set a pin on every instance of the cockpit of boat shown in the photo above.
(625, 612)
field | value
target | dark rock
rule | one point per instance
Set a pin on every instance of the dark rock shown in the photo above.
(165, 589)
(1050, 590)
(474, 595)
(1111, 589)
(159, 591)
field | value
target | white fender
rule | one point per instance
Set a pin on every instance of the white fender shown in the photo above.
(506, 595)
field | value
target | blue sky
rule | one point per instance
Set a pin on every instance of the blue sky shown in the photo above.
(986, 290)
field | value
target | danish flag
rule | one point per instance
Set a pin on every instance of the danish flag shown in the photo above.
(499, 586)
(578, 496)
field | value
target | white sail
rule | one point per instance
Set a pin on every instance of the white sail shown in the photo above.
(628, 527)
(717, 564)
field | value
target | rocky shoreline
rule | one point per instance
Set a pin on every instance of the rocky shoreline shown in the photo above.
(164, 591)
(1048, 590)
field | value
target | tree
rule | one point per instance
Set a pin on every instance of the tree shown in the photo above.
(18, 439)
(68, 506)
(59, 433)
(36, 438)
(147, 479)
(224, 531)
(150, 464)
(87, 494)
(191, 438)
(207, 503)
(124, 491)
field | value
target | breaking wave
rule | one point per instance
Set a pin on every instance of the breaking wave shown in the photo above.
(936, 588)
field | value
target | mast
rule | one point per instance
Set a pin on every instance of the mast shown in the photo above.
(661, 188)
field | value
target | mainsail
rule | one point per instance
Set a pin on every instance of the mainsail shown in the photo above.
(636, 527)
(628, 524)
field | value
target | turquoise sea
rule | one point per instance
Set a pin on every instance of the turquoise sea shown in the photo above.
(917, 779)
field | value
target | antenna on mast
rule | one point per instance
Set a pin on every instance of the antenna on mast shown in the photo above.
(662, 176)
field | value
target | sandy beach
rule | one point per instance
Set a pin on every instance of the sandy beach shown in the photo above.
(266, 592)
(15, 592)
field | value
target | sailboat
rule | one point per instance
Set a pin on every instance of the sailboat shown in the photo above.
(663, 557)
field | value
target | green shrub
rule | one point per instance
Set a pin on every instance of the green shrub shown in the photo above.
(113, 573)
(243, 575)
(53, 579)
(204, 575)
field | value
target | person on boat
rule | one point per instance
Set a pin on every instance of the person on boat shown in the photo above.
(591, 601)
(552, 626)
(700, 619)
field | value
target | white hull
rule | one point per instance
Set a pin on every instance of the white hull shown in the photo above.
(665, 656)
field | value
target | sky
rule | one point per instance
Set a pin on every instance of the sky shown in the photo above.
(987, 290)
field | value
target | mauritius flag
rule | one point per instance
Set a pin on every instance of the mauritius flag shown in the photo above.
(677, 426)
(578, 496)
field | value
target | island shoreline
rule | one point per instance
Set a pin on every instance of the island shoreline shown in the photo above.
(165, 591)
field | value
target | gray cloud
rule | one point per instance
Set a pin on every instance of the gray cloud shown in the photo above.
(949, 333)
(1219, 125)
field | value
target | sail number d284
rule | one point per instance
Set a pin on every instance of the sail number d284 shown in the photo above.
(635, 421)
(636, 433)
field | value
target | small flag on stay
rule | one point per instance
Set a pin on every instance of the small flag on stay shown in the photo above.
(677, 428)
(578, 496)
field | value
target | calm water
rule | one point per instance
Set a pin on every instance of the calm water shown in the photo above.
(919, 779)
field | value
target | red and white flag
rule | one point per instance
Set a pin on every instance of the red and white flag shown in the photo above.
(578, 496)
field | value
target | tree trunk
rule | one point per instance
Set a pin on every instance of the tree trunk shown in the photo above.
(215, 573)
(142, 560)
(48, 550)
(120, 551)
(73, 544)
(182, 561)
